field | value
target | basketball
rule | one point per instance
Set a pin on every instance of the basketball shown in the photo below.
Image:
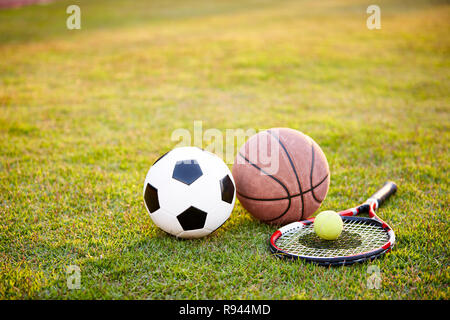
(281, 176)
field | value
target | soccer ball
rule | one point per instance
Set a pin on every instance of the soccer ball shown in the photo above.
(189, 192)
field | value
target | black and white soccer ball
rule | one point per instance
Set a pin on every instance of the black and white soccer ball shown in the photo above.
(189, 192)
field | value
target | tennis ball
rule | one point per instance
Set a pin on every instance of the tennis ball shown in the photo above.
(328, 225)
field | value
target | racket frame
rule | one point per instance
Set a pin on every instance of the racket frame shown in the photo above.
(370, 206)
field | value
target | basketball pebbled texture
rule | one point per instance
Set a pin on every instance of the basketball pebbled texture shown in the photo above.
(281, 176)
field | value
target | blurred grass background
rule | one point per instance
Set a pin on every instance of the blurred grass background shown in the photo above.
(84, 113)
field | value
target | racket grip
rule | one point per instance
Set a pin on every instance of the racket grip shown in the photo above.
(385, 192)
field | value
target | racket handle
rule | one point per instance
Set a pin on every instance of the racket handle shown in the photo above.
(385, 192)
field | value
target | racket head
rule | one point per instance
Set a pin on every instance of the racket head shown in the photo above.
(362, 239)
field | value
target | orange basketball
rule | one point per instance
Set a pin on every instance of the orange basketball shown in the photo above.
(281, 176)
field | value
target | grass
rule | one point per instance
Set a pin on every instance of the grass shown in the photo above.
(84, 113)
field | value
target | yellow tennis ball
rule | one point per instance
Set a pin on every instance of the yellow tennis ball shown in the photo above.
(328, 225)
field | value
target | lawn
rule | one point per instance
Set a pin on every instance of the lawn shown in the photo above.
(84, 114)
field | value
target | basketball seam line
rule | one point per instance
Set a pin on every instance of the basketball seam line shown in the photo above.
(281, 184)
(293, 168)
(284, 198)
(311, 173)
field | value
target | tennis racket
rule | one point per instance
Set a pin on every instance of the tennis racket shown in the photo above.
(361, 239)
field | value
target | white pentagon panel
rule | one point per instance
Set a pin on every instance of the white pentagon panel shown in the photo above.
(219, 215)
(171, 225)
(192, 234)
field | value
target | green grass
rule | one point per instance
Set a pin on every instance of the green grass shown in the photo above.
(84, 113)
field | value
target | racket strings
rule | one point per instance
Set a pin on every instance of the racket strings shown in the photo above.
(357, 237)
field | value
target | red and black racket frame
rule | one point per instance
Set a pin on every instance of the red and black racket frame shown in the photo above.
(370, 206)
